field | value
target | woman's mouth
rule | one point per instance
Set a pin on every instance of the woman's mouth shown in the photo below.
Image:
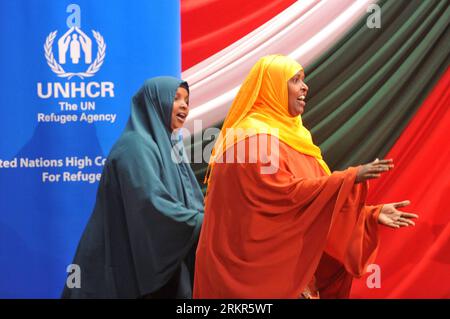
(301, 100)
(181, 117)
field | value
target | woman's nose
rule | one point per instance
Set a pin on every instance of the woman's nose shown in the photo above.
(305, 87)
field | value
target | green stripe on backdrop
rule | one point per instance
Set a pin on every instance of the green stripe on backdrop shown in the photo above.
(365, 90)
(367, 87)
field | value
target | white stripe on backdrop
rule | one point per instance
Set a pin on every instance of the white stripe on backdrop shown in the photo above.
(303, 31)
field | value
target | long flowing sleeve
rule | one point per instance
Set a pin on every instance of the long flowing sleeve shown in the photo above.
(161, 229)
(352, 245)
(264, 234)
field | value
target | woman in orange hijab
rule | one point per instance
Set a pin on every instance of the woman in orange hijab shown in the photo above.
(278, 223)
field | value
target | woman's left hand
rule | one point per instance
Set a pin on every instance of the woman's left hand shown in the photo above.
(392, 217)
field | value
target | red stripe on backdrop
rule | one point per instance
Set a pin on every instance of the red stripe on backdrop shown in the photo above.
(415, 261)
(208, 26)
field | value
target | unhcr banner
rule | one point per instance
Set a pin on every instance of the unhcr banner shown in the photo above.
(68, 72)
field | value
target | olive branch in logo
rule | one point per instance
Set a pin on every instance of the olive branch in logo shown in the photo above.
(58, 69)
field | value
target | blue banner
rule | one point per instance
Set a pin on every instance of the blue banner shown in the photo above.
(68, 72)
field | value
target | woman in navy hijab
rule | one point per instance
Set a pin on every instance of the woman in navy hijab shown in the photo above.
(141, 238)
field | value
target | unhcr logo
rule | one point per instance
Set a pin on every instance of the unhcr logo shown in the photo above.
(74, 58)
(77, 45)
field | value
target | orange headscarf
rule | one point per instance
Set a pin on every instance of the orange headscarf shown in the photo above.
(261, 106)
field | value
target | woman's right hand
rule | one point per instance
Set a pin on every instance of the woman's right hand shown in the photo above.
(373, 170)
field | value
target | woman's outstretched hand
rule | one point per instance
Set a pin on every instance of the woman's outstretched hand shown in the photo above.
(389, 216)
(392, 217)
(373, 170)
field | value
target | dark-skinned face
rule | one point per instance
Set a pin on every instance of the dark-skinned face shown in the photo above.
(297, 91)
(180, 108)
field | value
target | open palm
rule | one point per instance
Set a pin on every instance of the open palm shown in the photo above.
(392, 217)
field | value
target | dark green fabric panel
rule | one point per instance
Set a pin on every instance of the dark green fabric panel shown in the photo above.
(200, 168)
(364, 91)
(366, 88)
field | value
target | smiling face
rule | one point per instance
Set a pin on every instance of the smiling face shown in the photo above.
(180, 109)
(297, 91)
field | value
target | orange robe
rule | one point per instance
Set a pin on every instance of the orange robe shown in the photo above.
(275, 235)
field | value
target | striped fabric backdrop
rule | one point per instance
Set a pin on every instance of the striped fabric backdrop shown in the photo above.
(374, 92)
